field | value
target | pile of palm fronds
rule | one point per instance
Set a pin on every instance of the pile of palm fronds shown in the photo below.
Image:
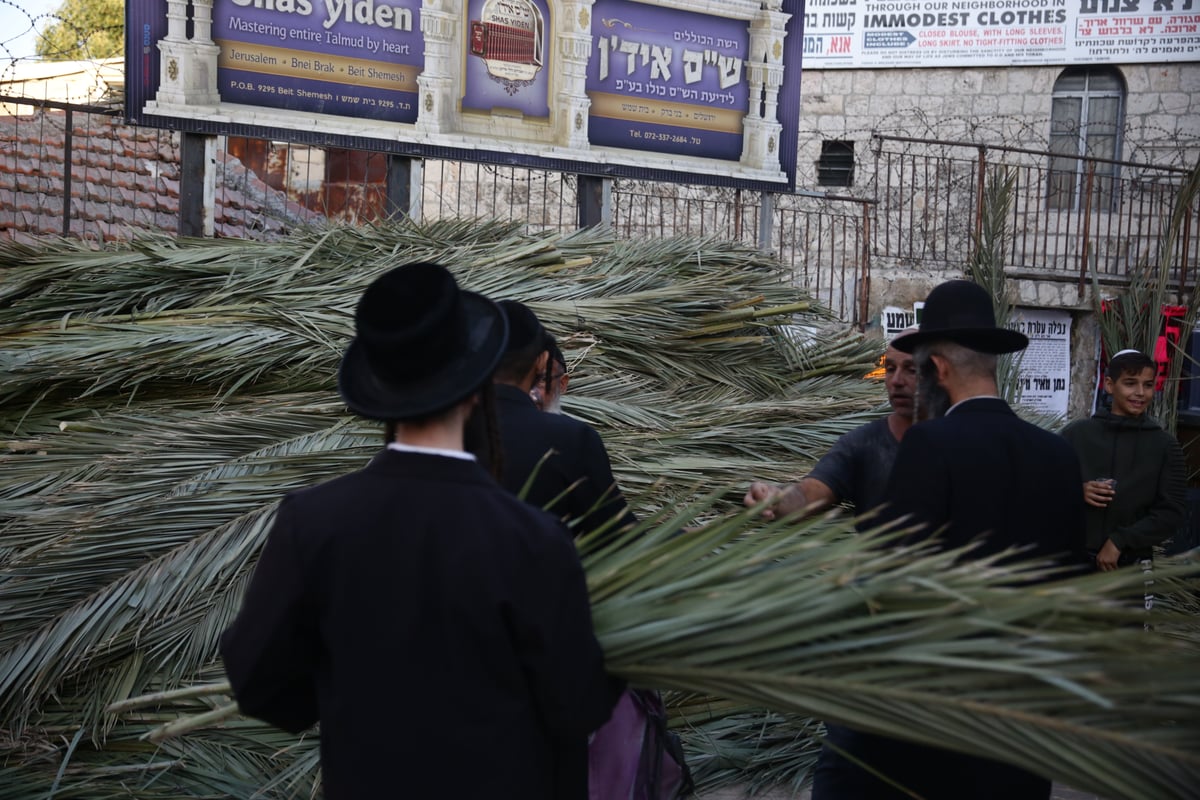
(160, 398)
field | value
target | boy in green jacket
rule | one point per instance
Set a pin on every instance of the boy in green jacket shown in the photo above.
(1136, 491)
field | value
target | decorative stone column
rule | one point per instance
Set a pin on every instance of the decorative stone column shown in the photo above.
(575, 46)
(764, 71)
(188, 74)
(441, 24)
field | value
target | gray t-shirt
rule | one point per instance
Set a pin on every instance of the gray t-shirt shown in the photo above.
(857, 467)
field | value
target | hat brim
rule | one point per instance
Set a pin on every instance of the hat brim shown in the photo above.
(461, 376)
(994, 341)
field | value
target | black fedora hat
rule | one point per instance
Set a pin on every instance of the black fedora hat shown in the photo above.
(524, 328)
(961, 312)
(421, 344)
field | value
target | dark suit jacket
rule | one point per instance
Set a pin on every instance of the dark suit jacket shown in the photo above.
(983, 472)
(438, 628)
(979, 472)
(575, 481)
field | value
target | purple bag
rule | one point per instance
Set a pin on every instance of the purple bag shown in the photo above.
(633, 756)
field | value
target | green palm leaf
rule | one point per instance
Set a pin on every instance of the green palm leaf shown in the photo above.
(164, 394)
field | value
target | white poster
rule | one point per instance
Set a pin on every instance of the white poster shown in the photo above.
(961, 33)
(894, 319)
(1044, 375)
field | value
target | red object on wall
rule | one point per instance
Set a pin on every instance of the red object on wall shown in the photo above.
(1167, 344)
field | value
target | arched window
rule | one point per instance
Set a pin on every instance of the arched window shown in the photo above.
(1086, 118)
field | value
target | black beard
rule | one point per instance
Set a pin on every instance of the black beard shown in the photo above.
(932, 400)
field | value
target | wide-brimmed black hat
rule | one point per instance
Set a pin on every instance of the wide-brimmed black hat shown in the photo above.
(524, 328)
(961, 312)
(421, 344)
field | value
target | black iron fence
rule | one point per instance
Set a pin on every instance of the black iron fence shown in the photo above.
(80, 171)
(1071, 216)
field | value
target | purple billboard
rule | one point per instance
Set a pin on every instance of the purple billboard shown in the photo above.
(686, 90)
(356, 58)
(666, 80)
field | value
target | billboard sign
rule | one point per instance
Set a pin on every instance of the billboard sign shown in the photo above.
(857, 34)
(354, 59)
(688, 90)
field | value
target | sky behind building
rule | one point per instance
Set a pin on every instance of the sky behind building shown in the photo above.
(20, 20)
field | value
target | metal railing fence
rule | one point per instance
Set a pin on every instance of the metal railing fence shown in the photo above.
(1070, 216)
(80, 171)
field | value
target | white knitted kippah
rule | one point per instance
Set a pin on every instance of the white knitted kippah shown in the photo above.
(1124, 352)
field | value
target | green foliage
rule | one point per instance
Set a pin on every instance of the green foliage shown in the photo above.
(1131, 317)
(160, 397)
(84, 30)
(986, 267)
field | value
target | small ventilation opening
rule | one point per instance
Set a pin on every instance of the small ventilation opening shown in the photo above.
(836, 165)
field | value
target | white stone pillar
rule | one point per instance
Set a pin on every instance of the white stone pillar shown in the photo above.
(188, 74)
(764, 72)
(575, 47)
(440, 26)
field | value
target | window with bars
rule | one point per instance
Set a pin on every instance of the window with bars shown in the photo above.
(1086, 118)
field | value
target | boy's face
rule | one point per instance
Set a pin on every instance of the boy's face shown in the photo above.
(1131, 392)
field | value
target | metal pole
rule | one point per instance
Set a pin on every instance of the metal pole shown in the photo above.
(1087, 227)
(197, 152)
(864, 281)
(594, 200)
(67, 145)
(404, 183)
(766, 221)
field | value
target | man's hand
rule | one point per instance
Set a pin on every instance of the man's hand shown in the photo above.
(760, 492)
(1098, 493)
(784, 499)
(1106, 559)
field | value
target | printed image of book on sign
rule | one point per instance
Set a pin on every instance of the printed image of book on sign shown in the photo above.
(506, 58)
(508, 37)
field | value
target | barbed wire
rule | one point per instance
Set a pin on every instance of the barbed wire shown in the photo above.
(30, 22)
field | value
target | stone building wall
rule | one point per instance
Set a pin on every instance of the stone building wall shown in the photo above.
(996, 106)
(990, 105)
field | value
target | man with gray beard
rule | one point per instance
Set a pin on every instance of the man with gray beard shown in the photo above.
(975, 473)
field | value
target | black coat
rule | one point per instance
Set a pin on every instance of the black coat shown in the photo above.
(575, 481)
(980, 472)
(1151, 474)
(437, 628)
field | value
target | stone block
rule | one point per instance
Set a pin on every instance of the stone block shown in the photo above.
(1035, 105)
(818, 104)
(993, 81)
(1189, 78)
(1010, 104)
(1137, 79)
(1020, 82)
(864, 82)
(859, 105)
(985, 105)
(1026, 292)
(1041, 79)
(1160, 124)
(889, 82)
(1047, 294)
(1163, 79)
(967, 82)
(831, 126)
(1176, 103)
(836, 81)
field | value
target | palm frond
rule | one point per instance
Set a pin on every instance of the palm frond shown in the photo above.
(166, 393)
